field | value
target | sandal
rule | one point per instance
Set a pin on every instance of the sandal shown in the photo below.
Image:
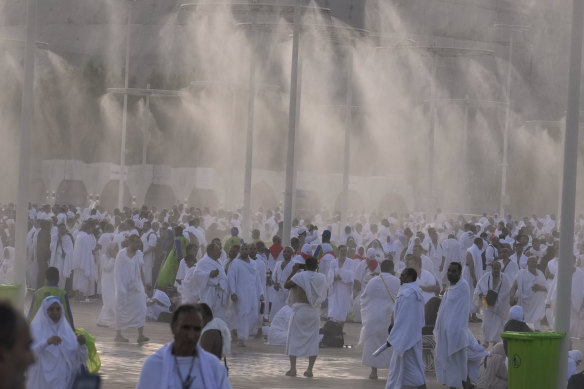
(308, 374)
(291, 373)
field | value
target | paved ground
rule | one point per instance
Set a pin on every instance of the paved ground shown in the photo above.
(255, 366)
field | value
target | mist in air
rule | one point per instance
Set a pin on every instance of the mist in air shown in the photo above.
(406, 74)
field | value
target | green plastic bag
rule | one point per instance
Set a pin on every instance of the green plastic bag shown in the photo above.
(93, 361)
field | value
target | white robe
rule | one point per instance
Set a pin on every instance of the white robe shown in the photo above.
(406, 367)
(451, 250)
(280, 297)
(159, 371)
(149, 240)
(211, 291)
(494, 317)
(130, 294)
(577, 299)
(84, 266)
(341, 290)
(511, 269)
(426, 279)
(107, 316)
(62, 256)
(56, 366)
(278, 331)
(303, 336)
(377, 305)
(161, 303)
(475, 253)
(244, 281)
(451, 337)
(533, 303)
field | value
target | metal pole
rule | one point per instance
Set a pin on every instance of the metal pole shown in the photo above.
(432, 138)
(288, 193)
(146, 136)
(298, 109)
(250, 127)
(505, 164)
(465, 163)
(347, 153)
(26, 127)
(566, 262)
(125, 111)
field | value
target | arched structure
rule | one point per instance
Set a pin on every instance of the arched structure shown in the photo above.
(109, 195)
(160, 196)
(71, 192)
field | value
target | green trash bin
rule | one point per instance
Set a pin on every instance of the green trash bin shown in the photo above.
(533, 359)
(9, 292)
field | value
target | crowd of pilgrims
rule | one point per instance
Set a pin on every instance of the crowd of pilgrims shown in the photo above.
(144, 262)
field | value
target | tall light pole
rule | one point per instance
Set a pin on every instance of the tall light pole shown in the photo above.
(348, 127)
(125, 109)
(292, 126)
(26, 127)
(566, 262)
(505, 163)
(250, 126)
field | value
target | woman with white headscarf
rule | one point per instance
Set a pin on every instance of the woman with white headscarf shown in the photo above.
(59, 353)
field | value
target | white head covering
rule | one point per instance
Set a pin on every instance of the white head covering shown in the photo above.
(371, 253)
(58, 362)
(575, 355)
(307, 249)
(516, 313)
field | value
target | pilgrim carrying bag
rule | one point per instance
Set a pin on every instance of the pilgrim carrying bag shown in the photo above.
(492, 296)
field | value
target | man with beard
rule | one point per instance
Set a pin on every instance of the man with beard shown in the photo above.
(183, 363)
(530, 290)
(451, 330)
(246, 290)
(406, 367)
(494, 315)
(282, 271)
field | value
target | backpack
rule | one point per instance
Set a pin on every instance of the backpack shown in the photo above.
(332, 334)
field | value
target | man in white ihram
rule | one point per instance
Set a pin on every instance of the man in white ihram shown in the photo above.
(307, 292)
(377, 306)
(130, 293)
(451, 331)
(246, 290)
(406, 367)
(183, 363)
(211, 281)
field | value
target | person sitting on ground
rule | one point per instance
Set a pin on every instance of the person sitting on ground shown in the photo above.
(215, 337)
(59, 353)
(493, 370)
(51, 289)
(515, 323)
(157, 305)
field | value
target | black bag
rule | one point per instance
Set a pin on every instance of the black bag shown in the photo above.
(492, 296)
(576, 381)
(333, 334)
